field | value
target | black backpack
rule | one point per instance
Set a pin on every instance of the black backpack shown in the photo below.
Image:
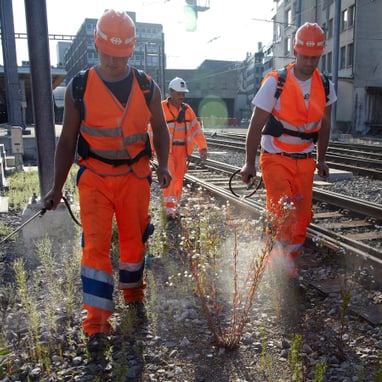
(282, 74)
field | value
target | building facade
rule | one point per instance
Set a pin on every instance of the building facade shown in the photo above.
(358, 70)
(214, 91)
(215, 87)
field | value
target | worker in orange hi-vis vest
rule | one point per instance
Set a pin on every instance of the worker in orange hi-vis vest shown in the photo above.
(109, 121)
(291, 117)
(185, 132)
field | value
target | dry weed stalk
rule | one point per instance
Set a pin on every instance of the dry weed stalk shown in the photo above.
(204, 239)
(243, 293)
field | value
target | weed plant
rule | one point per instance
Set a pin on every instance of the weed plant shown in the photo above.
(55, 282)
(42, 301)
(4, 230)
(295, 357)
(22, 185)
(226, 284)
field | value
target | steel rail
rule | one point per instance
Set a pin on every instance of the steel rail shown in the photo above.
(362, 207)
(340, 163)
(332, 240)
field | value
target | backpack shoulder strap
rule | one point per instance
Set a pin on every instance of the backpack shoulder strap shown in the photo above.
(145, 84)
(282, 74)
(325, 82)
(182, 113)
(78, 87)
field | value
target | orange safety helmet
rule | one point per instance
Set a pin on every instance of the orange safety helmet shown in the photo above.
(114, 34)
(309, 40)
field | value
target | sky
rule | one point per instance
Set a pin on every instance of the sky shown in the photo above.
(226, 31)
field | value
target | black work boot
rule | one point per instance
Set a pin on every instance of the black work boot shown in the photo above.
(97, 344)
(137, 310)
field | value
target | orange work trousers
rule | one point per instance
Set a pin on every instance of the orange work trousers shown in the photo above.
(288, 181)
(177, 165)
(102, 198)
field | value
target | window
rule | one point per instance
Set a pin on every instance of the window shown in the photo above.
(350, 54)
(287, 47)
(329, 62)
(278, 32)
(344, 20)
(343, 57)
(288, 17)
(330, 28)
(323, 63)
(351, 16)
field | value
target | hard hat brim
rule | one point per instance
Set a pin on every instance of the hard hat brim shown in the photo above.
(125, 51)
(305, 51)
(180, 90)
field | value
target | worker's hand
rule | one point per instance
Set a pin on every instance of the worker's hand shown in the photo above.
(248, 173)
(164, 176)
(52, 199)
(203, 154)
(322, 169)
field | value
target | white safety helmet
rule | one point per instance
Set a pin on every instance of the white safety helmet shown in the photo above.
(178, 84)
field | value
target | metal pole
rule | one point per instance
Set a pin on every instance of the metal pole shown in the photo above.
(42, 94)
(10, 64)
(336, 48)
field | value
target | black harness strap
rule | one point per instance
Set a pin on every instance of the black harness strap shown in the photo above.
(181, 116)
(282, 73)
(325, 82)
(83, 150)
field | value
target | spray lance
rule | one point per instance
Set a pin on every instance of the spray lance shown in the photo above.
(40, 214)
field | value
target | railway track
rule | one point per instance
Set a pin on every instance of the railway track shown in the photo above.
(342, 225)
(365, 160)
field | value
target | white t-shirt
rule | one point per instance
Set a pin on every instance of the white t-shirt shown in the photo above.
(265, 100)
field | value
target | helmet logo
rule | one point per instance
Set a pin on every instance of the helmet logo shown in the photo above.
(310, 43)
(115, 40)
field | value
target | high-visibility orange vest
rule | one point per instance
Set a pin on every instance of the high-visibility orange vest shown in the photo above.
(293, 113)
(186, 130)
(112, 131)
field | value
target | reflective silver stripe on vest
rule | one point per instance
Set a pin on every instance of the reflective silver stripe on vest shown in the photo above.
(112, 154)
(306, 128)
(123, 153)
(101, 131)
(136, 138)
